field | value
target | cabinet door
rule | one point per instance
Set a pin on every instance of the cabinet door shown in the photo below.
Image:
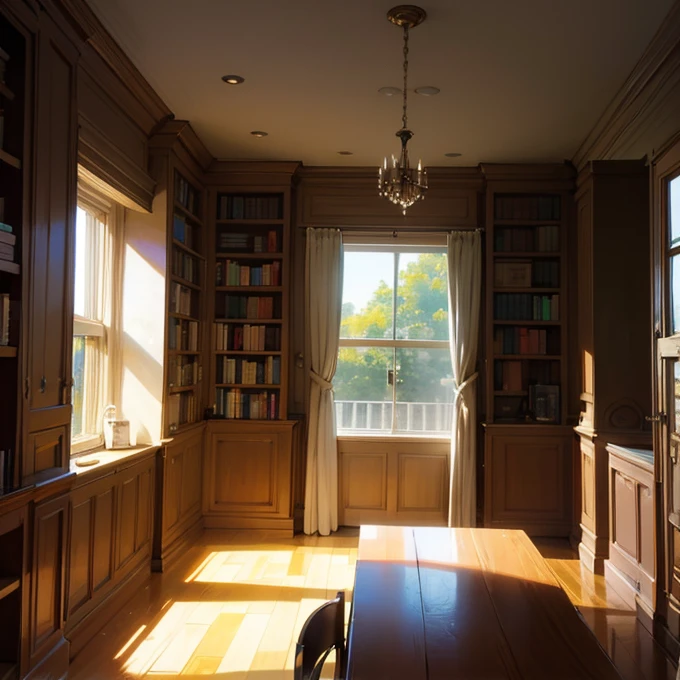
(50, 320)
(47, 578)
(173, 486)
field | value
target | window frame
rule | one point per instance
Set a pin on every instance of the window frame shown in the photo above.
(102, 330)
(426, 244)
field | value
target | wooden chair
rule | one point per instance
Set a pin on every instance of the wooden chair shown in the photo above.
(323, 631)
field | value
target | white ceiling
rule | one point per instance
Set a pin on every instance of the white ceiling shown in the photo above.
(521, 80)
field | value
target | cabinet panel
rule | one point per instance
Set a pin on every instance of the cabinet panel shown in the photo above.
(528, 480)
(145, 509)
(79, 555)
(127, 519)
(173, 486)
(47, 580)
(45, 450)
(191, 478)
(364, 481)
(624, 526)
(422, 483)
(102, 544)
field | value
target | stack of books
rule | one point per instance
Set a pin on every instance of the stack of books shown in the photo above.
(7, 241)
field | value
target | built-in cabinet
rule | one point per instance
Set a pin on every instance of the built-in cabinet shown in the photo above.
(614, 326)
(179, 469)
(630, 567)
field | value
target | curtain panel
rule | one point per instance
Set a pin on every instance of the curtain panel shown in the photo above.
(324, 307)
(464, 254)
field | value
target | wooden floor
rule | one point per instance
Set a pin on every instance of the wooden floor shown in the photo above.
(233, 607)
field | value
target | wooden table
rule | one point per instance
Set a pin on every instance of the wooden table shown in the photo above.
(468, 604)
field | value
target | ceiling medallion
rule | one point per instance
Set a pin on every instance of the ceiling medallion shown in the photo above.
(400, 183)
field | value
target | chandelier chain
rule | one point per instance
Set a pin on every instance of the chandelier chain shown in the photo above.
(404, 118)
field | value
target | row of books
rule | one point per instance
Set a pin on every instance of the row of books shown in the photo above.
(541, 239)
(185, 194)
(230, 273)
(514, 375)
(526, 307)
(182, 409)
(4, 318)
(544, 403)
(184, 265)
(182, 371)
(231, 207)
(180, 299)
(251, 307)
(265, 371)
(246, 405)
(7, 242)
(182, 335)
(184, 232)
(515, 207)
(521, 274)
(244, 337)
(232, 241)
(522, 340)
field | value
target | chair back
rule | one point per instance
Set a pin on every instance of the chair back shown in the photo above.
(323, 631)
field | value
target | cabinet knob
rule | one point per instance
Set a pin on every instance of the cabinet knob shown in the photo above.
(658, 418)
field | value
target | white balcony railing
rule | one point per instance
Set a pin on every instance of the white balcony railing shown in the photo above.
(377, 416)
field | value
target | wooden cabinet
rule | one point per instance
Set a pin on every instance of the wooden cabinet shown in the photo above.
(248, 474)
(630, 567)
(109, 544)
(50, 312)
(615, 334)
(47, 648)
(393, 482)
(179, 475)
(527, 479)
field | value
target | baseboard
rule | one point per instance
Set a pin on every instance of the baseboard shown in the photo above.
(620, 583)
(171, 553)
(645, 615)
(91, 624)
(589, 560)
(54, 666)
(235, 522)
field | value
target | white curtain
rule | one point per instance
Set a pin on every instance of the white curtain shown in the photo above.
(324, 307)
(464, 253)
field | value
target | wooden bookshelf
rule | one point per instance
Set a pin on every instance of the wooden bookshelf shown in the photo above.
(526, 336)
(250, 282)
(185, 299)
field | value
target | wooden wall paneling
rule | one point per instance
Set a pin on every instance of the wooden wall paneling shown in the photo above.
(341, 197)
(393, 481)
(247, 480)
(179, 480)
(48, 369)
(47, 585)
(46, 450)
(528, 479)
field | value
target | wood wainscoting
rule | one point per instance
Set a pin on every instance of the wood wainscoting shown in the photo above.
(393, 481)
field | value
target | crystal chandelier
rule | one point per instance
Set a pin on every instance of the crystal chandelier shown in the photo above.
(399, 182)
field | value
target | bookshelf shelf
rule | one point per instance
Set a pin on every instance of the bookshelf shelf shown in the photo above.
(184, 317)
(249, 256)
(184, 352)
(10, 160)
(184, 388)
(184, 282)
(511, 393)
(249, 289)
(525, 322)
(249, 385)
(535, 254)
(508, 289)
(8, 586)
(245, 352)
(253, 222)
(7, 352)
(10, 267)
(519, 222)
(191, 251)
(244, 320)
(529, 357)
(188, 214)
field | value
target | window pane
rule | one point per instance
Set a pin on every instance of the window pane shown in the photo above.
(368, 284)
(674, 211)
(363, 397)
(79, 292)
(423, 300)
(78, 394)
(423, 403)
(675, 292)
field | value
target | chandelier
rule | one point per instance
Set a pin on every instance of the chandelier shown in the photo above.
(399, 182)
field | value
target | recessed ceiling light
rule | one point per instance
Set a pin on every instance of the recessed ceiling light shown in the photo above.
(259, 133)
(233, 80)
(389, 91)
(453, 154)
(345, 153)
(427, 91)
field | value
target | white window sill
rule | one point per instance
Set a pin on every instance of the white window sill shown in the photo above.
(387, 436)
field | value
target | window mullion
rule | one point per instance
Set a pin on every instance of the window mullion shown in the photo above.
(395, 377)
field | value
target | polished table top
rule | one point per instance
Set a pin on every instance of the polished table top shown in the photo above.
(436, 603)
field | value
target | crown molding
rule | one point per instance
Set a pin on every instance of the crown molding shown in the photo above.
(494, 172)
(90, 29)
(172, 133)
(256, 173)
(649, 92)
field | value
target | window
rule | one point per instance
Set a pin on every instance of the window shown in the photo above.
(91, 297)
(394, 366)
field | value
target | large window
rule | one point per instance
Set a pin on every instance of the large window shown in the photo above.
(394, 366)
(92, 279)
